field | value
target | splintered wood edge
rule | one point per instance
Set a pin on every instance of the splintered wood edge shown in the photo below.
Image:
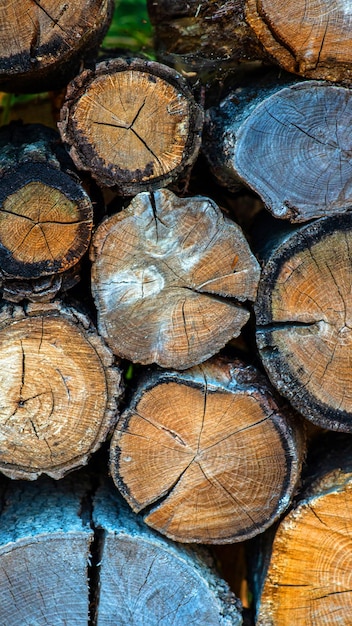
(86, 158)
(114, 386)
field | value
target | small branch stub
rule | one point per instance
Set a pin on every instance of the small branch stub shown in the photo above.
(58, 390)
(209, 452)
(133, 124)
(170, 278)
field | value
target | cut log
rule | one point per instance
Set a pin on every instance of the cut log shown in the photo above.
(308, 580)
(148, 580)
(170, 277)
(311, 39)
(43, 42)
(133, 124)
(203, 39)
(46, 217)
(290, 145)
(209, 451)
(58, 390)
(303, 313)
(44, 554)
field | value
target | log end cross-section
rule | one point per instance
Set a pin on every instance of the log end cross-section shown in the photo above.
(134, 124)
(58, 391)
(312, 39)
(208, 452)
(170, 279)
(304, 320)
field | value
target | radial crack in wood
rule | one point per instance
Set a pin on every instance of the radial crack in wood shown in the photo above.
(170, 277)
(58, 391)
(134, 124)
(304, 322)
(209, 451)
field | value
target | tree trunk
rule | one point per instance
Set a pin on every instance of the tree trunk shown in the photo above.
(290, 145)
(170, 279)
(140, 140)
(309, 563)
(303, 313)
(43, 42)
(58, 388)
(72, 554)
(46, 217)
(208, 451)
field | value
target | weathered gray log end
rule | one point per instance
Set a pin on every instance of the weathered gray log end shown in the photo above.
(44, 554)
(289, 145)
(147, 580)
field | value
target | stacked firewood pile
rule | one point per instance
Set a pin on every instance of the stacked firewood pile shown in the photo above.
(176, 315)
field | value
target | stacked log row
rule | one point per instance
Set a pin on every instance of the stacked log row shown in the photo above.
(313, 41)
(46, 216)
(59, 388)
(73, 554)
(209, 452)
(307, 577)
(43, 43)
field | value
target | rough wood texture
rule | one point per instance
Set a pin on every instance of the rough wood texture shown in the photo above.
(290, 145)
(208, 451)
(145, 579)
(46, 217)
(170, 277)
(58, 390)
(308, 580)
(203, 39)
(303, 313)
(43, 42)
(133, 124)
(312, 39)
(44, 553)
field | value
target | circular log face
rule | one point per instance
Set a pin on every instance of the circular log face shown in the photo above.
(304, 311)
(299, 135)
(309, 38)
(45, 222)
(164, 273)
(309, 581)
(133, 125)
(54, 395)
(38, 33)
(219, 464)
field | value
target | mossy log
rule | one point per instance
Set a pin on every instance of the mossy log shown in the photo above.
(134, 124)
(46, 216)
(170, 279)
(59, 388)
(43, 42)
(289, 144)
(303, 315)
(307, 577)
(72, 554)
(208, 452)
